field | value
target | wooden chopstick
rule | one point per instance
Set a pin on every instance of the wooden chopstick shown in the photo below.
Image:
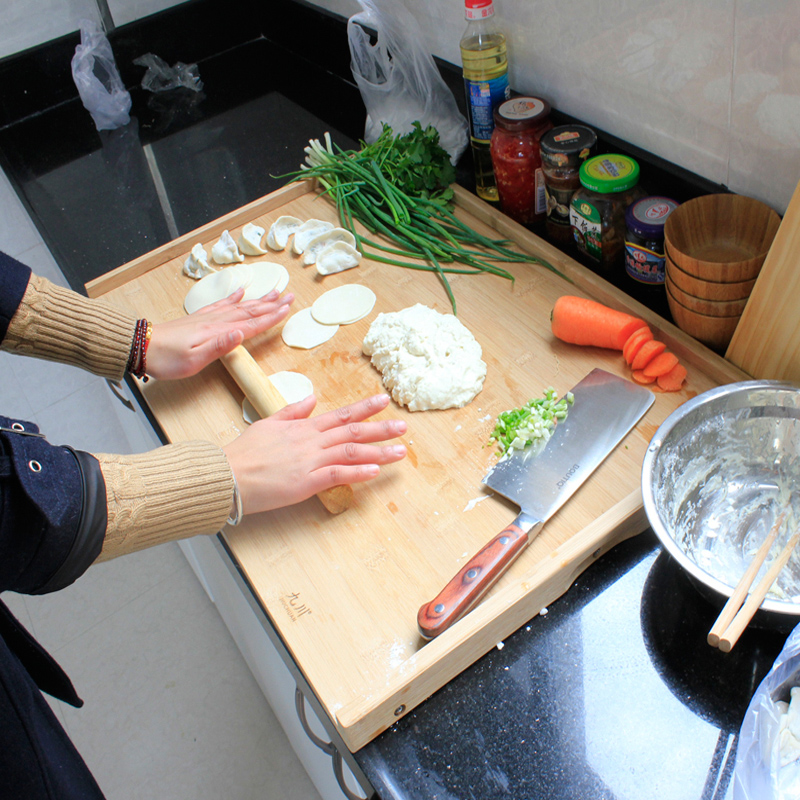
(743, 587)
(742, 619)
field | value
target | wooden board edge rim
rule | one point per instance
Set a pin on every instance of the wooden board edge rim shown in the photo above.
(360, 721)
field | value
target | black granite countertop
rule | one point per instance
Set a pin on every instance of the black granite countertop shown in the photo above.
(613, 692)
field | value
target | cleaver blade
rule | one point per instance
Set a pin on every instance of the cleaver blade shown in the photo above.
(606, 407)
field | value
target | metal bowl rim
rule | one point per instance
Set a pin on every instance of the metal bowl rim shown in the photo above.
(667, 542)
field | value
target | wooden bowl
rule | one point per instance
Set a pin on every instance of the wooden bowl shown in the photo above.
(715, 332)
(721, 237)
(710, 290)
(713, 308)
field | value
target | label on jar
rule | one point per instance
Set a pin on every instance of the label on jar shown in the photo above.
(541, 192)
(643, 265)
(584, 219)
(558, 205)
(484, 97)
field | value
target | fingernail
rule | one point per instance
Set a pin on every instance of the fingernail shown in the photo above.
(372, 469)
(399, 449)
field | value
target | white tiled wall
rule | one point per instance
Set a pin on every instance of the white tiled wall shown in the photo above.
(711, 85)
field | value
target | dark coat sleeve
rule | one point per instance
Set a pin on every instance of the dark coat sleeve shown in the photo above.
(53, 512)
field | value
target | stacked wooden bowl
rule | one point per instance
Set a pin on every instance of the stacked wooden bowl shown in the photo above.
(715, 248)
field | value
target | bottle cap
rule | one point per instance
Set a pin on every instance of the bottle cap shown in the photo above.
(521, 113)
(567, 146)
(647, 216)
(478, 9)
(609, 173)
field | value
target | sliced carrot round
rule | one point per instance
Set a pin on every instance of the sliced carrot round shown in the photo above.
(661, 364)
(673, 380)
(640, 376)
(636, 340)
(647, 352)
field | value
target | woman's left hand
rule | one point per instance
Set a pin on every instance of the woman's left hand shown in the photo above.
(182, 347)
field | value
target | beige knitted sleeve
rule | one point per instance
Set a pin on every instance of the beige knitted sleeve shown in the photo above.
(173, 492)
(58, 324)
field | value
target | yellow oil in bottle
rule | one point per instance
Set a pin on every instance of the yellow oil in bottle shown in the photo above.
(485, 68)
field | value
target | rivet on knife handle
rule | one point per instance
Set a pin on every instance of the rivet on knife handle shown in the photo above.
(479, 574)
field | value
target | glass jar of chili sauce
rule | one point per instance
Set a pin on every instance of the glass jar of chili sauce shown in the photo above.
(519, 124)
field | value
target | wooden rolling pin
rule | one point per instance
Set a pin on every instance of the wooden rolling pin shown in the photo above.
(266, 399)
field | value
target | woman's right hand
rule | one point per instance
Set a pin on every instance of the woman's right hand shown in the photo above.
(291, 456)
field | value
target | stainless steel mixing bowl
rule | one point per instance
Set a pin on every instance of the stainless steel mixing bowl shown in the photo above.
(718, 473)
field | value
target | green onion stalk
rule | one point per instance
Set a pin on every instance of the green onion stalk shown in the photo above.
(398, 188)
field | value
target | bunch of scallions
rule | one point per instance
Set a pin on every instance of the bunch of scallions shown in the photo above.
(399, 187)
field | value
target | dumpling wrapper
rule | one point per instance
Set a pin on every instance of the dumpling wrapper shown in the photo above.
(343, 305)
(320, 242)
(307, 231)
(293, 386)
(196, 265)
(337, 257)
(250, 240)
(257, 279)
(225, 250)
(281, 230)
(303, 331)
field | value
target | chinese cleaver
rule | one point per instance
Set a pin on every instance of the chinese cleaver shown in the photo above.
(606, 407)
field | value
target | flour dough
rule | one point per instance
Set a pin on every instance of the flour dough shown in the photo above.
(303, 331)
(427, 360)
(344, 304)
(257, 279)
(293, 386)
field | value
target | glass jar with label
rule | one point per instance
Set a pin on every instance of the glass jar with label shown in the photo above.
(644, 241)
(563, 149)
(516, 159)
(597, 209)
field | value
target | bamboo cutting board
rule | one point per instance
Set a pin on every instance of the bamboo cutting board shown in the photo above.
(766, 342)
(343, 591)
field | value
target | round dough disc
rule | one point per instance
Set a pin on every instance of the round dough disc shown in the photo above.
(266, 276)
(293, 386)
(343, 305)
(257, 279)
(303, 331)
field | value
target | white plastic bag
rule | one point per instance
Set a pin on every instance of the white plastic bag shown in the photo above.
(399, 81)
(758, 774)
(99, 84)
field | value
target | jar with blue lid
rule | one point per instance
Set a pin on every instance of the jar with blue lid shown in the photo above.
(644, 239)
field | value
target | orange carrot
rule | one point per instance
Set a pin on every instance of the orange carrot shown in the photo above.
(578, 320)
(661, 364)
(648, 351)
(672, 380)
(636, 340)
(640, 376)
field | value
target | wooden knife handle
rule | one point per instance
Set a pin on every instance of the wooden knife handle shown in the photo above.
(474, 579)
(266, 399)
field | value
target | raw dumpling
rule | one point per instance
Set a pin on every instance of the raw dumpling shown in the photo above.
(337, 257)
(250, 240)
(196, 265)
(321, 241)
(307, 231)
(281, 230)
(344, 304)
(225, 250)
(303, 331)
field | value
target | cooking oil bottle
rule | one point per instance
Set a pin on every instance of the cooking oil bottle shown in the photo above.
(485, 63)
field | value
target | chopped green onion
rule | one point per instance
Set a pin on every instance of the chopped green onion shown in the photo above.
(532, 425)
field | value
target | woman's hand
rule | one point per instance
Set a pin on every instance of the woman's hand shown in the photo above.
(290, 456)
(182, 347)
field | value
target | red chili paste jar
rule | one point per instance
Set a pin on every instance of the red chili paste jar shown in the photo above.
(519, 124)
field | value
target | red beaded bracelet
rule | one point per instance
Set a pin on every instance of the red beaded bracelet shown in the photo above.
(137, 362)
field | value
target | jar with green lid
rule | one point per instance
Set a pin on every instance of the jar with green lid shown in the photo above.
(609, 184)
